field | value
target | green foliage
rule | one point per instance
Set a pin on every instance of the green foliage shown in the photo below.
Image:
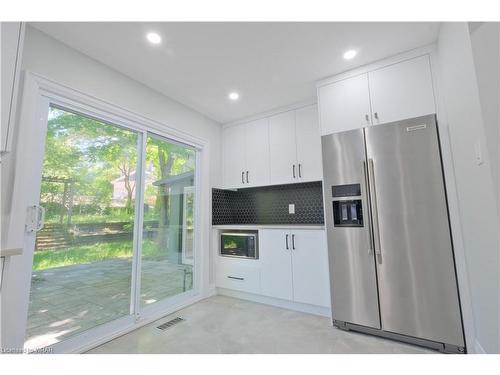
(88, 254)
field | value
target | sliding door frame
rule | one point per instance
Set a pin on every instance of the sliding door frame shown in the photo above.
(38, 94)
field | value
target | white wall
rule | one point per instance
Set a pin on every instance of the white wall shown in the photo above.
(485, 38)
(462, 115)
(60, 63)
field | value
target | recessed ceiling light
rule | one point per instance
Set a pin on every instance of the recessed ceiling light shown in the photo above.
(153, 38)
(233, 96)
(350, 54)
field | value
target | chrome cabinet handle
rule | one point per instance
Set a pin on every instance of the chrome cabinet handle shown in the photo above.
(247, 178)
(293, 169)
(369, 220)
(376, 115)
(286, 242)
(367, 118)
(373, 196)
(236, 278)
(293, 241)
(300, 172)
(242, 177)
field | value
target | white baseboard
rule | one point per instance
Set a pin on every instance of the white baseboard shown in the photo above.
(290, 305)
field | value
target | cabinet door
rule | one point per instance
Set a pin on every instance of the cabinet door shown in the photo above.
(283, 149)
(276, 263)
(308, 144)
(234, 156)
(402, 91)
(310, 267)
(257, 153)
(344, 105)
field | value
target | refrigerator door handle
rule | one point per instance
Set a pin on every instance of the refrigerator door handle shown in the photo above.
(374, 209)
(369, 221)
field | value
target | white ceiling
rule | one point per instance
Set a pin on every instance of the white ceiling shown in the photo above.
(269, 64)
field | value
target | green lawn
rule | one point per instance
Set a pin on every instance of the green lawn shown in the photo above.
(89, 254)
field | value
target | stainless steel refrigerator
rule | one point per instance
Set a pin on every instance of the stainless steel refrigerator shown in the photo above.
(392, 268)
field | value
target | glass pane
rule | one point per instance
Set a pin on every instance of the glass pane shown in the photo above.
(167, 252)
(82, 264)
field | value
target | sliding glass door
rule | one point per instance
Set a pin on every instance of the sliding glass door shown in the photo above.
(168, 220)
(91, 264)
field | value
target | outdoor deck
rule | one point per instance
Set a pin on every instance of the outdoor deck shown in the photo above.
(68, 300)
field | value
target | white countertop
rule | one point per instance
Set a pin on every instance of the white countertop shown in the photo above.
(10, 252)
(270, 226)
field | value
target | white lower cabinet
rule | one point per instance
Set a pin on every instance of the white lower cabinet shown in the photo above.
(311, 282)
(294, 265)
(238, 274)
(276, 263)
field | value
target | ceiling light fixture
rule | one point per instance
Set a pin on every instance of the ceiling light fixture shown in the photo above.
(350, 54)
(233, 96)
(153, 38)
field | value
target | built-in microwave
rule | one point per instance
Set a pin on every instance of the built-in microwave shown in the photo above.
(240, 244)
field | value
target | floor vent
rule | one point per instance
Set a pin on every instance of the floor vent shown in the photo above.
(170, 323)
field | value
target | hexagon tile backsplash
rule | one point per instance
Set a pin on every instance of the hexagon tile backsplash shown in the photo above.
(269, 205)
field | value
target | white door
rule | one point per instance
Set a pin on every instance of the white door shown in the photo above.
(308, 144)
(233, 139)
(310, 267)
(283, 149)
(344, 105)
(257, 153)
(402, 91)
(275, 257)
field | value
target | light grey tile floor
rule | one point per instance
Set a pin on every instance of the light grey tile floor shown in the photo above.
(228, 325)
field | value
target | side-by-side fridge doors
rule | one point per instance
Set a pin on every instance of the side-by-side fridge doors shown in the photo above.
(416, 275)
(351, 251)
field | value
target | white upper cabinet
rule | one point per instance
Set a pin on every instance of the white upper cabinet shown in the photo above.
(12, 36)
(402, 91)
(308, 144)
(281, 149)
(234, 166)
(282, 143)
(246, 154)
(257, 153)
(396, 91)
(344, 105)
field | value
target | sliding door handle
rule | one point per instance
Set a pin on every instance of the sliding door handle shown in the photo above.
(286, 242)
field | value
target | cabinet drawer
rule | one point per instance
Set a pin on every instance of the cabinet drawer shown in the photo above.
(238, 274)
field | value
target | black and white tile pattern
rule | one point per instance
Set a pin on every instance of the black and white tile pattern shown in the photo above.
(269, 205)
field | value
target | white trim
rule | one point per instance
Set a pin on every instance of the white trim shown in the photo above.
(38, 93)
(272, 112)
(75, 99)
(284, 304)
(7, 147)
